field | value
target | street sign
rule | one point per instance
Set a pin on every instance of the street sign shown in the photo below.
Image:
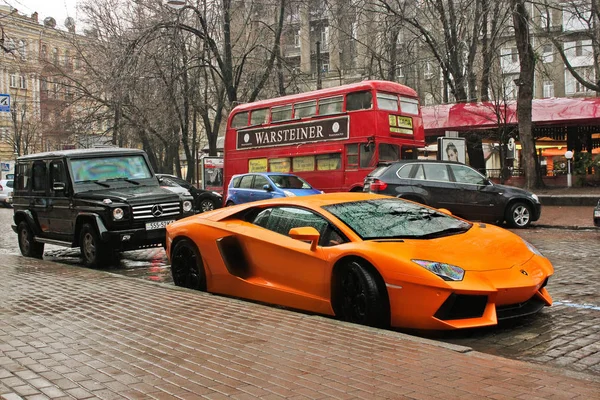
(4, 102)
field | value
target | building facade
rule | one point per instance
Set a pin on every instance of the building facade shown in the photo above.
(34, 56)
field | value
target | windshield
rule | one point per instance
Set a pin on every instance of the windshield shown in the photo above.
(289, 182)
(107, 168)
(395, 219)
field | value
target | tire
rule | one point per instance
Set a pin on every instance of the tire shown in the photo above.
(28, 246)
(229, 203)
(187, 268)
(519, 215)
(359, 299)
(207, 205)
(94, 252)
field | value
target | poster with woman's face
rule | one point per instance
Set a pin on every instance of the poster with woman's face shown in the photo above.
(453, 149)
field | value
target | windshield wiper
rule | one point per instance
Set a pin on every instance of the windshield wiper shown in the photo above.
(124, 179)
(96, 182)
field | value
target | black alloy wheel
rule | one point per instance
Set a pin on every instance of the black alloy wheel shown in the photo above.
(360, 299)
(519, 215)
(94, 253)
(27, 244)
(187, 268)
(207, 205)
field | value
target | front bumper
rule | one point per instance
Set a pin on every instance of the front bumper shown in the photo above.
(481, 299)
(536, 212)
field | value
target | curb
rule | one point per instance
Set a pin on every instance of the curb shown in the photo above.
(566, 227)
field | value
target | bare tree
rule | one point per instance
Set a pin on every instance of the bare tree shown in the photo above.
(521, 22)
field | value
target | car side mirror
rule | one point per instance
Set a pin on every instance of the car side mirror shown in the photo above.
(59, 186)
(306, 234)
(268, 188)
(445, 211)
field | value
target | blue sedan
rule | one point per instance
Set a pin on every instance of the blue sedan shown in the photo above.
(269, 185)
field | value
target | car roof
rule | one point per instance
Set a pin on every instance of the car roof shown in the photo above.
(100, 151)
(265, 174)
(387, 163)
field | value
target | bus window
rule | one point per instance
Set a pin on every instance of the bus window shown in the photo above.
(352, 156)
(367, 152)
(388, 152)
(387, 102)
(328, 162)
(409, 106)
(279, 165)
(303, 164)
(305, 109)
(409, 153)
(240, 120)
(281, 113)
(331, 105)
(259, 117)
(257, 165)
(359, 101)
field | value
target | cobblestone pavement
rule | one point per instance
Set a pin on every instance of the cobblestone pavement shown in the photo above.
(71, 332)
(566, 335)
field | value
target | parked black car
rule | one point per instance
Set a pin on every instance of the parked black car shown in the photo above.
(597, 214)
(204, 200)
(456, 187)
(102, 200)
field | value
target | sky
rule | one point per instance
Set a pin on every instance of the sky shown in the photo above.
(58, 9)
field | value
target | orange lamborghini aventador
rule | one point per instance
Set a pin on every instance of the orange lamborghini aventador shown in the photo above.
(363, 258)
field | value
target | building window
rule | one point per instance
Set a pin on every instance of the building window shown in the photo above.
(354, 32)
(428, 73)
(44, 54)
(55, 55)
(575, 20)
(548, 54)
(23, 49)
(325, 68)
(23, 82)
(510, 87)
(297, 39)
(325, 38)
(545, 19)
(573, 86)
(548, 89)
(13, 81)
(399, 71)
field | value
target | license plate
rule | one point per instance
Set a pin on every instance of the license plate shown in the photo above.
(157, 224)
(596, 213)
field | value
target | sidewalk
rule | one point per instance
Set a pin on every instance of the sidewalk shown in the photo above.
(71, 332)
(570, 217)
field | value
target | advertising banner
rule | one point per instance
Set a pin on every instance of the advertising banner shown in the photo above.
(296, 133)
(212, 174)
(452, 149)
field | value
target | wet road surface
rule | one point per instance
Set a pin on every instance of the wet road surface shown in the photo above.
(565, 335)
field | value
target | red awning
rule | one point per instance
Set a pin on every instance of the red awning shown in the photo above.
(487, 115)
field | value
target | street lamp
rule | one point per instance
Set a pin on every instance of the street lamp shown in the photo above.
(176, 4)
(569, 156)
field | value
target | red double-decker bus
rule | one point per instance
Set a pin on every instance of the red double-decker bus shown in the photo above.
(330, 137)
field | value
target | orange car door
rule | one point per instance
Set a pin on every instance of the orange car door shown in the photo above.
(285, 270)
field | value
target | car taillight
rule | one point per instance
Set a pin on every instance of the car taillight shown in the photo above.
(377, 186)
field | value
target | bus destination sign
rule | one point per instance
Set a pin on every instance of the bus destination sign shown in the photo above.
(297, 133)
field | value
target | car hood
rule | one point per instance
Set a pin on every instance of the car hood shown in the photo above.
(512, 190)
(132, 195)
(482, 248)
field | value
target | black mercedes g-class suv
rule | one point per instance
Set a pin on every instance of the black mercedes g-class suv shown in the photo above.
(103, 200)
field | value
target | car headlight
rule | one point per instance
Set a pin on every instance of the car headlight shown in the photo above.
(532, 248)
(118, 214)
(445, 271)
(288, 193)
(187, 206)
(535, 197)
